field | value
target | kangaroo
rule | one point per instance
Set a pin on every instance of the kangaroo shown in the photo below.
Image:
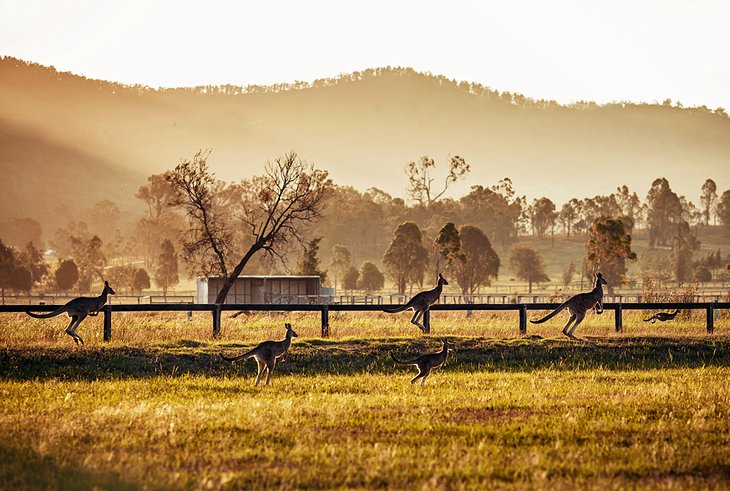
(427, 362)
(78, 309)
(421, 302)
(578, 305)
(663, 316)
(267, 353)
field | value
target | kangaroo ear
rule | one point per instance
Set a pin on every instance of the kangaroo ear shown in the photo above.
(287, 325)
(106, 283)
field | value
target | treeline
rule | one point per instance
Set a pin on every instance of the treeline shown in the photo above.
(468, 88)
(348, 236)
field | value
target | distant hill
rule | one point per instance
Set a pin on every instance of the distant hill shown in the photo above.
(54, 182)
(82, 140)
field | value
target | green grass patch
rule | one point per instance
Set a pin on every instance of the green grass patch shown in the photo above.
(534, 412)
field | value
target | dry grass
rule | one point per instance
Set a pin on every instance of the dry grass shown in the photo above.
(144, 328)
(359, 424)
(158, 409)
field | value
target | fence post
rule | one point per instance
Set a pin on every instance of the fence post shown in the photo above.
(619, 318)
(325, 321)
(107, 323)
(523, 319)
(427, 322)
(216, 320)
(710, 320)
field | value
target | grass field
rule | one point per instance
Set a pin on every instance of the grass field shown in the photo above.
(158, 409)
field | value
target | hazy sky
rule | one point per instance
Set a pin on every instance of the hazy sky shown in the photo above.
(637, 50)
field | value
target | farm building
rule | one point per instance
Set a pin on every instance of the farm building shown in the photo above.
(264, 289)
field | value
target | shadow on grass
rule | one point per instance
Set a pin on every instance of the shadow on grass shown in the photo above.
(24, 468)
(363, 355)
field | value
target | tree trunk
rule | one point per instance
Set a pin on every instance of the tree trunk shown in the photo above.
(529, 287)
(401, 286)
(228, 282)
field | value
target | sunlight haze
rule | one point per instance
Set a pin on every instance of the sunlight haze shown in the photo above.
(384, 83)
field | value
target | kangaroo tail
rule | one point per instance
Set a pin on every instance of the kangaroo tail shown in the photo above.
(392, 357)
(239, 357)
(56, 312)
(552, 314)
(401, 308)
(648, 319)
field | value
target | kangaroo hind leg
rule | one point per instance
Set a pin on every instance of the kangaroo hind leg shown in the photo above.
(71, 329)
(567, 326)
(261, 366)
(270, 369)
(80, 318)
(578, 320)
(417, 314)
(425, 376)
(418, 375)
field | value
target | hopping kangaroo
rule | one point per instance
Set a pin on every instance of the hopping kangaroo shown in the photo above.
(78, 309)
(578, 305)
(426, 363)
(662, 316)
(421, 302)
(267, 353)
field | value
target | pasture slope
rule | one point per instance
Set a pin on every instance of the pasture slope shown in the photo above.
(612, 413)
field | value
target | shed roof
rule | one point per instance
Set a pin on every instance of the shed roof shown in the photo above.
(270, 277)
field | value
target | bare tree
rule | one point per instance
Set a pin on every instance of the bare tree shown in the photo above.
(158, 194)
(209, 238)
(420, 181)
(264, 213)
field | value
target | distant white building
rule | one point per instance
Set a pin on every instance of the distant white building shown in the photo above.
(280, 289)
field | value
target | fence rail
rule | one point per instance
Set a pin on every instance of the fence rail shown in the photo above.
(710, 308)
(516, 297)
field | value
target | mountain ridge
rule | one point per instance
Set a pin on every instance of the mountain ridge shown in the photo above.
(363, 127)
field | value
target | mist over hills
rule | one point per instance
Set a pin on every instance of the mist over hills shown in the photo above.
(69, 142)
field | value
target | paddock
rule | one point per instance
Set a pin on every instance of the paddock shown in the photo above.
(711, 310)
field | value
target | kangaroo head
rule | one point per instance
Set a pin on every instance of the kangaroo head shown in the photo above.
(289, 330)
(108, 289)
(442, 280)
(601, 279)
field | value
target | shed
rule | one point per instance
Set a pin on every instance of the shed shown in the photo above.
(280, 289)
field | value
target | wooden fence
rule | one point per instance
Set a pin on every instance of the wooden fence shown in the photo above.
(710, 308)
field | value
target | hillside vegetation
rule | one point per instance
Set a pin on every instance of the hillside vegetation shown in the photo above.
(98, 140)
